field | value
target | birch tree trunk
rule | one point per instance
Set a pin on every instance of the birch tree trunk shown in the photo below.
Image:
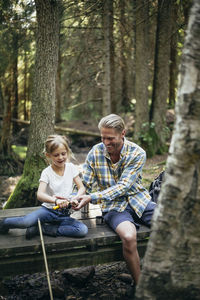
(171, 265)
(43, 102)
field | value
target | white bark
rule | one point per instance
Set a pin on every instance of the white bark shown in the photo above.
(171, 267)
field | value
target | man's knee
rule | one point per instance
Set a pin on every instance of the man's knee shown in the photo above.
(129, 237)
(127, 233)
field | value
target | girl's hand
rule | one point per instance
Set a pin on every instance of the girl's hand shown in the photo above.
(62, 202)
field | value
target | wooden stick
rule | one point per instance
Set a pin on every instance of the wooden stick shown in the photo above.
(45, 259)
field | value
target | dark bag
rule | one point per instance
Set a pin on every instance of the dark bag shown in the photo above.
(155, 187)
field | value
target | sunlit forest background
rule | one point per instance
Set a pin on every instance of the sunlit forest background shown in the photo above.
(112, 56)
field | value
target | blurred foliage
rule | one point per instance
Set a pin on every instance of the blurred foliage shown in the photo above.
(20, 151)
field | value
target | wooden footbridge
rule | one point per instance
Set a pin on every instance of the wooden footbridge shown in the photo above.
(101, 245)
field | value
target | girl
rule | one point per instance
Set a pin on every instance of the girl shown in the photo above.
(55, 189)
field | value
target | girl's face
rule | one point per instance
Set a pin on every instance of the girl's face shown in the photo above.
(58, 157)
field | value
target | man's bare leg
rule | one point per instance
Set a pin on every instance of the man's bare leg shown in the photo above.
(127, 232)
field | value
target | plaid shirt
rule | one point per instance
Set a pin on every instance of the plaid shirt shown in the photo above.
(119, 184)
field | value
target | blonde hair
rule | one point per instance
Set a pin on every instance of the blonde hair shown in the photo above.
(54, 141)
(112, 121)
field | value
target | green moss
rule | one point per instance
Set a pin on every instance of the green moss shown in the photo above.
(24, 194)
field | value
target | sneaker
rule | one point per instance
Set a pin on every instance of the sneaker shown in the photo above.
(3, 228)
(31, 232)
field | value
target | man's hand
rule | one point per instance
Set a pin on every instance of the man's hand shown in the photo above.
(83, 200)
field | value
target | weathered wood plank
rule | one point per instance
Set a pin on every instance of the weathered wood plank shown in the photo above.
(101, 245)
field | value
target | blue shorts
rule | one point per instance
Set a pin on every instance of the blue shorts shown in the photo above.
(113, 218)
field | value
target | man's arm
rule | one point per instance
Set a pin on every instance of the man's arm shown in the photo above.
(128, 178)
(89, 175)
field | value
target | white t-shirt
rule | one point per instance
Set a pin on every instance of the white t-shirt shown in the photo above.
(59, 185)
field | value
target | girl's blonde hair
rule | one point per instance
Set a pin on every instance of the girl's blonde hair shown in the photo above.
(54, 141)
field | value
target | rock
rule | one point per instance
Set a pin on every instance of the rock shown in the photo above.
(57, 291)
(79, 275)
(125, 277)
(71, 297)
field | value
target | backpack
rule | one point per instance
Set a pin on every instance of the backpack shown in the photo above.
(155, 187)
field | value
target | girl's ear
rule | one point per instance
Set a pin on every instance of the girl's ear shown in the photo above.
(47, 155)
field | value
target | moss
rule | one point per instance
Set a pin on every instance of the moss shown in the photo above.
(24, 194)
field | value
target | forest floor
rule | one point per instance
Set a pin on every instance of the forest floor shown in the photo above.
(107, 282)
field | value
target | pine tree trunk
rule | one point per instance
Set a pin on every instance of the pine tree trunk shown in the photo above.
(161, 74)
(123, 61)
(142, 74)
(43, 102)
(171, 265)
(173, 57)
(58, 90)
(108, 89)
(15, 80)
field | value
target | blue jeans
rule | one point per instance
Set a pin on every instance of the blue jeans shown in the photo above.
(67, 226)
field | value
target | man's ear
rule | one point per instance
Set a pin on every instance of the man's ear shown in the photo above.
(123, 133)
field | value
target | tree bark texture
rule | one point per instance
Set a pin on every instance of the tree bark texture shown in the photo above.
(44, 90)
(15, 80)
(43, 102)
(161, 72)
(173, 57)
(171, 265)
(108, 90)
(123, 60)
(142, 74)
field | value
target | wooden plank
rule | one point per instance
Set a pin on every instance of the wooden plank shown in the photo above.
(94, 210)
(63, 259)
(101, 245)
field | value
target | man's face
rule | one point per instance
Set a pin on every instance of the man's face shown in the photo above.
(112, 139)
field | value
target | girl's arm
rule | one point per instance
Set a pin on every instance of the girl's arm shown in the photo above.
(81, 191)
(42, 196)
(80, 186)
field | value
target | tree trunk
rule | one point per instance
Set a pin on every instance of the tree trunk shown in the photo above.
(43, 102)
(25, 86)
(161, 75)
(173, 57)
(15, 80)
(58, 90)
(5, 149)
(109, 104)
(142, 74)
(171, 265)
(123, 61)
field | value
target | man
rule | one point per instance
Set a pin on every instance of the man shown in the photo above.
(115, 165)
